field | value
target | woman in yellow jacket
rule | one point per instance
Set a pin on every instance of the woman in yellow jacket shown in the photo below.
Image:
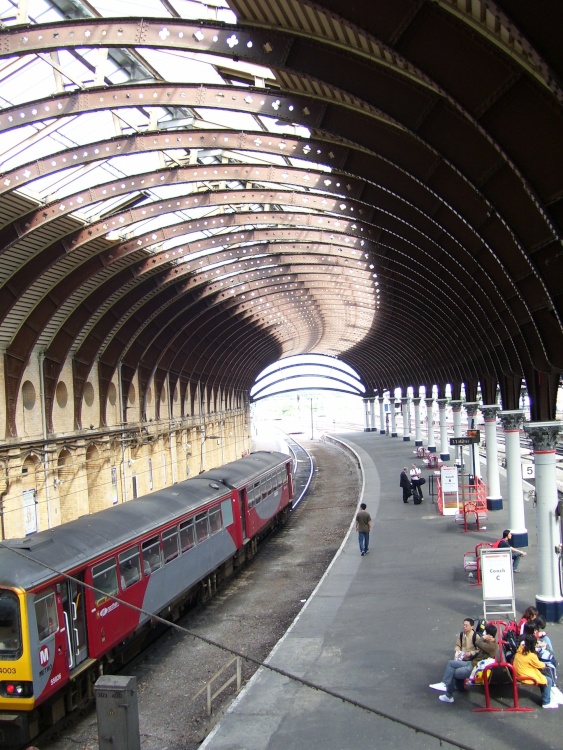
(527, 665)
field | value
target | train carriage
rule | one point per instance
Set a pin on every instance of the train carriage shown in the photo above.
(262, 486)
(79, 595)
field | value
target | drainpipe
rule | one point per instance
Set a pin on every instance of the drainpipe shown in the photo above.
(121, 417)
(44, 428)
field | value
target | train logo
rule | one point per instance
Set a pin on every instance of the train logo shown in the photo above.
(44, 656)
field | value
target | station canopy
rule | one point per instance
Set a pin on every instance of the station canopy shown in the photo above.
(201, 189)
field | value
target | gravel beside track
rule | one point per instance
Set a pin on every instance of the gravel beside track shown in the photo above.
(249, 615)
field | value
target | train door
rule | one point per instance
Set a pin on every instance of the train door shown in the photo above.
(75, 621)
(242, 513)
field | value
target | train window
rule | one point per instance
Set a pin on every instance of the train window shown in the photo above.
(10, 631)
(46, 614)
(227, 512)
(152, 559)
(187, 535)
(264, 488)
(201, 527)
(215, 524)
(104, 579)
(170, 544)
(129, 567)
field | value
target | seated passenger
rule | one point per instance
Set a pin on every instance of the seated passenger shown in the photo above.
(528, 666)
(456, 669)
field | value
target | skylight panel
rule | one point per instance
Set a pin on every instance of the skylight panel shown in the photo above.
(175, 65)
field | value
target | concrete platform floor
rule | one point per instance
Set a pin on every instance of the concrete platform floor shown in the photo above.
(379, 629)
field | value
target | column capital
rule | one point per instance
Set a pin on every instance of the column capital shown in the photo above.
(381, 399)
(404, 400)
(429, 401)
(544, 435)
(442, 402)
(455, 404)
(490, 412)
(471, 407)
(416, 400)
(511, 420)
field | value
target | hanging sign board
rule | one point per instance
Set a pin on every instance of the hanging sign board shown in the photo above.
(449, 485)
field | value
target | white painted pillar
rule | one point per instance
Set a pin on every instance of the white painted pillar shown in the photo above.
(417, 427)
(549, 599)
(512, 421)
(430, 420)
(381, 416)
(393, 417)
(366, 414)
(444, 447)
(471, 407)
(372, 413)
(494, 498)
(406, 425)
(456, 412)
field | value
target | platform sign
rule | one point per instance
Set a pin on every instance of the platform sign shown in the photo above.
(528, 471)
(498, 582)
(449, 486)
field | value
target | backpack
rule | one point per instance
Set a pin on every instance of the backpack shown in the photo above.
(510, 641)
(496, 544)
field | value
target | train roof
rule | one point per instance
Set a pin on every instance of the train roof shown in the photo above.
(239, 473)
(31, 561)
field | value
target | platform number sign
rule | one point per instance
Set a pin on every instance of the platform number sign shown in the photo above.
(528, 471)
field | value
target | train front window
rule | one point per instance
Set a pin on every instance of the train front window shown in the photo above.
(46, 614)
(10, 630)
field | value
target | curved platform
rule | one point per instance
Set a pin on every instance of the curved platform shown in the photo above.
(355, 666)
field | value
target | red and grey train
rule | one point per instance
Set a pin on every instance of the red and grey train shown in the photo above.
(64, 592)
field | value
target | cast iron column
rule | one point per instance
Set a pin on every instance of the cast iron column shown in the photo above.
(430, 421)
(456, 410)
(494, 498)
(381, 416)
(512, 421)
(393, 418)
(549, 599)
(406, 426)
(417, 430)
(444, 447)
(471, 409)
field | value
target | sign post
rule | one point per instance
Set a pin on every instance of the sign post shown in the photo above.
(498, 583)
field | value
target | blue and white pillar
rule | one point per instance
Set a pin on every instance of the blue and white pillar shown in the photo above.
(471, 408)
(430, 422)
(494, 498)
(406, 425)
(444, 447)
(512, 422)
(372, 413)
(417, 428)
(456, 413)
(549, 599)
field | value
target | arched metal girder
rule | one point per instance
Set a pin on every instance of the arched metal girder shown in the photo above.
(429, 194)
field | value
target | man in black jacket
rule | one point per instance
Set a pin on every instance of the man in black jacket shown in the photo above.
(405, 483)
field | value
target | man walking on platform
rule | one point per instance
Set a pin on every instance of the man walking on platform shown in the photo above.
(405, 483)
(363, 527)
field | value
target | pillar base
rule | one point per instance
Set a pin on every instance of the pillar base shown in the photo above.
(431, 449)
(394, 434)
(418, 443)
(367, 429)
(494, 503)
(520, 538)
(552, 610)
(444, 456)
(382, 432)
(406, 438)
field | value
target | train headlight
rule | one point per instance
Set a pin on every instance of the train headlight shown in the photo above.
(16, 689)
